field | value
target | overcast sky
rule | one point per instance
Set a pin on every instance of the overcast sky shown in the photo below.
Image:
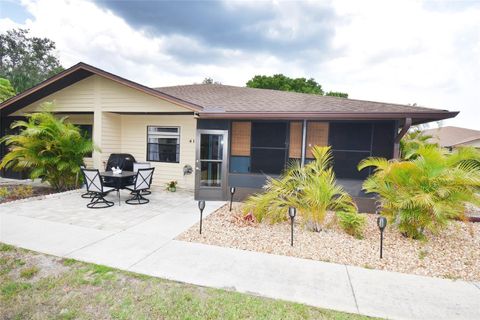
(424, 52)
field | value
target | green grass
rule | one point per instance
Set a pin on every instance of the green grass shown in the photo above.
(88, 291)
(29, 273)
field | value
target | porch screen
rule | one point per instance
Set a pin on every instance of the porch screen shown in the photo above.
(241, 136)
(163, 144)
(269, 147)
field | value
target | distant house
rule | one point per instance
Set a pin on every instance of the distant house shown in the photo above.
(451, 137)
(228, 136)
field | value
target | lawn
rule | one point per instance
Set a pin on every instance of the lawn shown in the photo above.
(38, 286)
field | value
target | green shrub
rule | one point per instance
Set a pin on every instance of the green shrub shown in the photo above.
(50, 148)
(352, 223)
(4, 192)
(24, 191)
(426, 192)
(312, 189)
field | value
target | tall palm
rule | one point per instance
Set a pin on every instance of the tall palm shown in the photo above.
(426, 192)
(50, 148)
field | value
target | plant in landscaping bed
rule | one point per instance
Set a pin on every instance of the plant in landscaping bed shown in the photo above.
(50, 148)
(312, 189)
(426, 192)
(4, 193)
(412, 141)
(352, 222)
(172, 186)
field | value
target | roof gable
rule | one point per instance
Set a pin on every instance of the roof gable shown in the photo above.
(73, 75)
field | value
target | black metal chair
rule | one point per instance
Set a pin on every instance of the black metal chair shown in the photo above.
(143, 181)
(142, 165)
(94, 184)
(88, 194)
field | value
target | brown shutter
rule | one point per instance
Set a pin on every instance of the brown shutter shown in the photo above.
(241, 137)
(317, 135)
(295, 151)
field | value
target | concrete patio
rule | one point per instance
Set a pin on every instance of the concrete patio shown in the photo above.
(141, 239)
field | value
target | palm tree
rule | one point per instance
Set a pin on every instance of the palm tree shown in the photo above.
(412, 141)
(312, 189)
(426, 192)
(50, 148)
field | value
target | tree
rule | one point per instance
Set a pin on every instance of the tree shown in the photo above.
(209, 81)
(50, 148)
(412, 141)
(336, 94)
(284, 83)
(6, 90)
(26, 61)
(426, 192)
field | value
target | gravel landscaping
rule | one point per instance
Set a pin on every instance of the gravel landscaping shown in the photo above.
(453, 254)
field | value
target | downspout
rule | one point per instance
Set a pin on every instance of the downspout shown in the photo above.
(401, 134)
(304, 141)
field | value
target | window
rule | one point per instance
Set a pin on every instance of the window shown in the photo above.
(163, 144)
(269, 147)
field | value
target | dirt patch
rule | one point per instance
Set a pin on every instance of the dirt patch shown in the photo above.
(452, 254)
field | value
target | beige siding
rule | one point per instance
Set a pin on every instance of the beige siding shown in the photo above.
(78, 97)
(134, 141)
(113, 97)
(111, 135)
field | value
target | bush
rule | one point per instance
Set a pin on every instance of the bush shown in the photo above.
(4, 193)
(312, 189)
(50, 148)
(426, 192)
(352, 223)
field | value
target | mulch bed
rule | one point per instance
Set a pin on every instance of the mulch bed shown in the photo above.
(13, 193)
(452, 254)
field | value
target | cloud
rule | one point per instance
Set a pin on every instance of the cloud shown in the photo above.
(404, 52)
(284, 29)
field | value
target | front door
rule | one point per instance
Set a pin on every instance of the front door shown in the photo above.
(211, 165)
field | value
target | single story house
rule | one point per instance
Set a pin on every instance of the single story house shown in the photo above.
(452, 137)
(228, 136)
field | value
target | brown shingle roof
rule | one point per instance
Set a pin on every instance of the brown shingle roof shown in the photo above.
(452, 136)
(223, 98)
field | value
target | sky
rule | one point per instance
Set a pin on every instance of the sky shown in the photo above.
(423, 52)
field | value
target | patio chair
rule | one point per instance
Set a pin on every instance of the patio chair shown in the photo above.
(142, 165)
(143, 181)
(94, 184)
(88, 194)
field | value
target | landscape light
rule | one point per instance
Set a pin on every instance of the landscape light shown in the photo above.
(292, 212)
(232, 191)
(201, 206)
(381, 223)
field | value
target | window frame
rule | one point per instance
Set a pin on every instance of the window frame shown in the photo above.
(177, 135)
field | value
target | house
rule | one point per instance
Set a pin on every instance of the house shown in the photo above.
(228, 136)
(451, 137)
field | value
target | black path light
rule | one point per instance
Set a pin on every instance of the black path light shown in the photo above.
(292, 212)
(232, 192)
(381, 223)
(201, 206)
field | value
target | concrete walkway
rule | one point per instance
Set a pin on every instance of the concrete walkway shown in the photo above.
(141, 240)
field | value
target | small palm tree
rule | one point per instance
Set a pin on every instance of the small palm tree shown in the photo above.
(312, 189)
(50, 148)
(412, 141)
(426, 192)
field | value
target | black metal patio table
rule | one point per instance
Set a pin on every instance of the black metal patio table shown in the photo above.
(118, 180)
